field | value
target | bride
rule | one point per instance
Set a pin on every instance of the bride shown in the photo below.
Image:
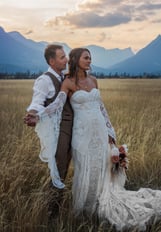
(95, 189)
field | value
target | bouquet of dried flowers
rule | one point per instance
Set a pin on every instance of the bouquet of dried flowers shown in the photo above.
(123, 159)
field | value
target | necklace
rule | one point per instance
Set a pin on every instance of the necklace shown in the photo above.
(83, 86)
(83, 83)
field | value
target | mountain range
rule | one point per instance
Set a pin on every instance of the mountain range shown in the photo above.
(19, 54)
(146, 61)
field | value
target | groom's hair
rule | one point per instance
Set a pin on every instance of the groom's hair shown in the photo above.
(50, 51)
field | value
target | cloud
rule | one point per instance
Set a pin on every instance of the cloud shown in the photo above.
(149, 6)
(99, 13)
(102, 37)
(90, 20)
(140, 17)
(156, 21)
(29, 32)
(99, 4)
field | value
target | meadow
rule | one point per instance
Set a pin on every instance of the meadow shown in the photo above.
(134, 107)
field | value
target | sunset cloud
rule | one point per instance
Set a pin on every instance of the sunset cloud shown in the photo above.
(100, 14)
(150, 6)
(84, 20)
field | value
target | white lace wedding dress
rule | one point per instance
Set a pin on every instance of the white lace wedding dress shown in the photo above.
(94, 188)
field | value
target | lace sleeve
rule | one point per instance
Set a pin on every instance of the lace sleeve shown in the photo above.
(55, 106)
(110, 128)
(47, 129)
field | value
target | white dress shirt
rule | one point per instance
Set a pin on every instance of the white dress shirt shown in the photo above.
(43, 88)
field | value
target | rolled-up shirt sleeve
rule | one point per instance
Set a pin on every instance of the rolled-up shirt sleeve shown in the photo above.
(43, 88)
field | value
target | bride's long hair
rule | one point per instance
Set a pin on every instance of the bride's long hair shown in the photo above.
(73, 63)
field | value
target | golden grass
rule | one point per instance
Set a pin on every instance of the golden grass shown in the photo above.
(134, 107)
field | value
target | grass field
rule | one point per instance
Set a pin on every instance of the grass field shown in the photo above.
(134, 107)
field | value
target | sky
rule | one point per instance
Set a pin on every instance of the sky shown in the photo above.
(106, 23)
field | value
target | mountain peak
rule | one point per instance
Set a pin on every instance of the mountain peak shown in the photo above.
(16, 35)
(147, 60)
(154, 45)
(158, 37)
(2, 30)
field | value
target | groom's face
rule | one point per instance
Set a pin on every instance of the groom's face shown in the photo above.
(59, 62)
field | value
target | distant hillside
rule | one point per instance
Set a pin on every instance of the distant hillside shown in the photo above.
(107, 57)
(20, 55)
(147, 60)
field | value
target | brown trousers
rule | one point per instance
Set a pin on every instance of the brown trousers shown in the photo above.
(63, 158)
(63, 153)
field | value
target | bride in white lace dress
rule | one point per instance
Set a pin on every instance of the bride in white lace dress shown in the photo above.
(94, 189)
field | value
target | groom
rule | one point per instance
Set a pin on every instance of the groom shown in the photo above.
(45, 90)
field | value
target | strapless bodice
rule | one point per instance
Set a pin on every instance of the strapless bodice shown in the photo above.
(87, 101)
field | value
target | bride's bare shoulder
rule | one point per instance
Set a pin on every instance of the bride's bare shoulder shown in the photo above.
(69, 84)
(68, 80)
(93, 78)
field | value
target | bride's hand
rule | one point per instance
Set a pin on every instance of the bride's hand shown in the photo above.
(111, 140)
(31, 119)
(114, 154)
(115, 159)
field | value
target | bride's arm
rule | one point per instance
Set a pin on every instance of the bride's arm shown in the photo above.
(110, 129)
(55, 106)
(59, 102)
(111, 134)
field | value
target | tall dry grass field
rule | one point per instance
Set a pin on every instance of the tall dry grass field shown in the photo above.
(134, 107)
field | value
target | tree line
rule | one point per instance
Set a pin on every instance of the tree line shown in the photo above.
(28, 75)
